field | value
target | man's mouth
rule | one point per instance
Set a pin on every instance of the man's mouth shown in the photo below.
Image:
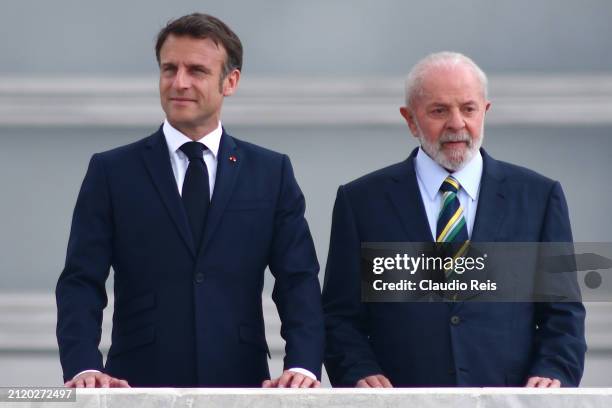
(455, 144)
(457, 141)
(182, 100)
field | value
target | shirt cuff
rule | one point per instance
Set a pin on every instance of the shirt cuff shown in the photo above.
(86, 371)
(304, 372)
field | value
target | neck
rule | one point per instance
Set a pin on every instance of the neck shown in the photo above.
(195, 133)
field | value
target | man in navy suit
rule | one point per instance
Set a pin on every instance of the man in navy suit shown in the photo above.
(189, 218)
(447, 343)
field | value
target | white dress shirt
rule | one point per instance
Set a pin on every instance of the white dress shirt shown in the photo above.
(175, 139)
(430, 176)
(179, 161)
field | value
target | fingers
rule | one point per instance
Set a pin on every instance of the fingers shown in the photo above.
(362, 384)
(117, 383)
(273, 383)
(96, 380)
(307, 382)
(374, 381)
(291, 379)
(284, 379)
(542, 382)
(297, 380)
(104, 381)
(276, 382)
(385, 381)
(379, 381)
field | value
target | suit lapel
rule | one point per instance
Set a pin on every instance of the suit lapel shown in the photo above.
(492, 207)
(157, 161)
(228, 167)
(491, 202)
(404, 193)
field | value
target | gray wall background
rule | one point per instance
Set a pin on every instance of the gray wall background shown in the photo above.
(320, 37)
(42, 165)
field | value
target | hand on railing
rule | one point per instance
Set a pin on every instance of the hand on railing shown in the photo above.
(96, 379)
(542, 382)
(374, 381)
(291, 379)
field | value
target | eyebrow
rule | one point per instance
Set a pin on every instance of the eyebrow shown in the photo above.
(443, 104)
(437, 104)
(189, 66)
(200, 67)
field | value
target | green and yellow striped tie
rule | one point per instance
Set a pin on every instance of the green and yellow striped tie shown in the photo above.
(451, 227)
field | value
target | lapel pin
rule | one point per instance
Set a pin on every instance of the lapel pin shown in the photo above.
(233, 159)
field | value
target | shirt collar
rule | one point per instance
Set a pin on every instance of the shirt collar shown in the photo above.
(175, 139)
(432, 175)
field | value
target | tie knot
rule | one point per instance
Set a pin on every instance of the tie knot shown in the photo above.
(193, 150)
(450, 184)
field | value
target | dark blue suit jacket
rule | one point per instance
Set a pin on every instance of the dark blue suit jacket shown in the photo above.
(421, 344)
(187, 316)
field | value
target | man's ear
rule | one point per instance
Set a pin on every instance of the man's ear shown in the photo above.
(230, 82)
(408, 115)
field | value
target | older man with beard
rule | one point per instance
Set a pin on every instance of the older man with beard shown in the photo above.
(448, 190)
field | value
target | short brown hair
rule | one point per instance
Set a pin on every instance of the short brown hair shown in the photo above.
(198, 25)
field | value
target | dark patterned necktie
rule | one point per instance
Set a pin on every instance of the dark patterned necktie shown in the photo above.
(451, 229)
(196, 191)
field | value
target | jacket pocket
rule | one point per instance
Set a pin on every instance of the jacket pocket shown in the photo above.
(132, 341)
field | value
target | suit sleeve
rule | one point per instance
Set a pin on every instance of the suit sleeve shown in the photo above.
(297, 292)
(80, 291)
(348, 355)
(560, 345)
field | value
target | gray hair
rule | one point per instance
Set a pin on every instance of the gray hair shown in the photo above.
(414, 80)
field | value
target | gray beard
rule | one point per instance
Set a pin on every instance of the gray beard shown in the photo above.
(458, 160)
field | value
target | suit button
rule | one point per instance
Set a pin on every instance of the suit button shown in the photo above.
(199, 277)
(455, 320)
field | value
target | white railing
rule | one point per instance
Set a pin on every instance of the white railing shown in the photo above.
(329, 398)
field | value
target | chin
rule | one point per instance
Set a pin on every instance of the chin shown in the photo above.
(454, 160)
(180, 119)
(451, 158)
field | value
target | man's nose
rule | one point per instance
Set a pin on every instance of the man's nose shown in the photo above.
(456, 120)
(181, 80)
